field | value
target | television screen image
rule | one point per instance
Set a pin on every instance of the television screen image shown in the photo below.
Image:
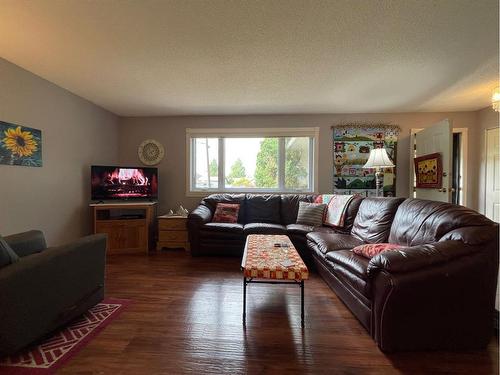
(124, 183)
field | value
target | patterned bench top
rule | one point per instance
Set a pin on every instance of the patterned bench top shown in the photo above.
(262, 259)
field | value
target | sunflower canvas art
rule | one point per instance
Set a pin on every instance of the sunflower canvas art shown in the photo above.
(20, 145)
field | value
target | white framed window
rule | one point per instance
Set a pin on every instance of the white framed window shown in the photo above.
(252, 160)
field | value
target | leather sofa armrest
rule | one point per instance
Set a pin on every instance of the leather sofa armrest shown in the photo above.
(196, 218)
(473, 235)
(418, 257)
(27, 243)
(446, 305)
(200, 215)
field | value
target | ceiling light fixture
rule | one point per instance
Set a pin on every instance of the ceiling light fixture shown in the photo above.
(495, 99)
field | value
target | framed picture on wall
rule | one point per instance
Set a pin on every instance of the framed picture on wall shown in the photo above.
(429, 171)
(20, 145)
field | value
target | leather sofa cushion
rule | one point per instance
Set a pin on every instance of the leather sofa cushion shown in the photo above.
(350, 214)
(212, 200)
(290, 206)
(435, 220)
(221, 233)
(263, 208)
(264, 228)
(299, 229)
(350, 261)
(328, 242)
(223, 227)
(356, 283)
(325, 229)
(374, 219)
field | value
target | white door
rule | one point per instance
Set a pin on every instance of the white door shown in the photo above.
(436, 138)
(492, 209)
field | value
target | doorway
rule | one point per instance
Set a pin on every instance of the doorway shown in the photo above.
(492, 181)
(456, 188)
(459, 152)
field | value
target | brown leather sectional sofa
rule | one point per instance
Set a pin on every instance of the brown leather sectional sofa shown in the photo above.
(437, 292)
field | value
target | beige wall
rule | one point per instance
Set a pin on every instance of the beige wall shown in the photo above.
(170, 131)
(75, 134)
(487, 119)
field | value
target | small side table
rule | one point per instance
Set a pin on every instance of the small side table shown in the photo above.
(172, 232)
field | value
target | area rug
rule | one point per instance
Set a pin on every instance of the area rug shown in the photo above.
(46, 357)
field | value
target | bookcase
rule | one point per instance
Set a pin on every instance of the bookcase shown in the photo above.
(129, 226)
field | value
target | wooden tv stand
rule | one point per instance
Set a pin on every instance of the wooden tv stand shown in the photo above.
(129, 226)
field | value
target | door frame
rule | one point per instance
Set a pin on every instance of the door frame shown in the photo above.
(485, 167)
(464, 153)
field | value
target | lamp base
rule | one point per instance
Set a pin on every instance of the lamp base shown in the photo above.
(379, 183)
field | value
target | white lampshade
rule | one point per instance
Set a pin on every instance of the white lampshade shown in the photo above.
(378, 159)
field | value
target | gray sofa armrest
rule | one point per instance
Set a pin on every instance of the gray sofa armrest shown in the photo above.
(43, 291)
(27, 243)
(418, 257)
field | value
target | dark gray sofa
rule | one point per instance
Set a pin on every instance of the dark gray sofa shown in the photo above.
(47, 287)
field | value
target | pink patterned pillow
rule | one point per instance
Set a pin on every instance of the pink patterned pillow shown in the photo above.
(226, 213)
(372, 249)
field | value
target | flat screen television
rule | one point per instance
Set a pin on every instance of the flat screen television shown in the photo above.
(113, 182)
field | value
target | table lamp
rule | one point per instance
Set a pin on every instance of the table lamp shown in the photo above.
(378, 159)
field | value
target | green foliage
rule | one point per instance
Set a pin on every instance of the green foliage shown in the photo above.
(266, 171)
(237, 172)
(214, 168)
(242, 182)
(295, 170)
(238, 169)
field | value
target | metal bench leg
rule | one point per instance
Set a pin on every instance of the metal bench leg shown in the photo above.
(244, 300)
(302, 302)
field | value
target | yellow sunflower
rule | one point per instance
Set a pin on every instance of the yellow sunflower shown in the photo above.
(19, 142)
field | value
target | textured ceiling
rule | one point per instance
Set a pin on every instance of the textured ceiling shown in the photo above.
(146, 57)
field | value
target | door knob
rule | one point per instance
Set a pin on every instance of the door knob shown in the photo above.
(442, 190)
(452, 190)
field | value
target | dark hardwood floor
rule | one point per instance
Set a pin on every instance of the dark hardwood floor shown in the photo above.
(186, 318)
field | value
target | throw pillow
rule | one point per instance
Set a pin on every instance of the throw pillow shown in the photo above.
(226, 213)
(311, 213)
(372, 249)
(7, 255)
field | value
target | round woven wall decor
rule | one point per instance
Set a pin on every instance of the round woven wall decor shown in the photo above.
(151, 152)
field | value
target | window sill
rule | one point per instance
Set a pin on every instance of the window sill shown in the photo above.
(204, 193)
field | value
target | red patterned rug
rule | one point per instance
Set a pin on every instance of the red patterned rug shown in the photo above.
(46, 357)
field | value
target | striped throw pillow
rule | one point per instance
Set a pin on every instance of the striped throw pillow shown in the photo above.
(311, 213)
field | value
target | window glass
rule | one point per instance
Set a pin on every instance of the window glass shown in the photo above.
(206, 163)
(297, 163)
(251, 163)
